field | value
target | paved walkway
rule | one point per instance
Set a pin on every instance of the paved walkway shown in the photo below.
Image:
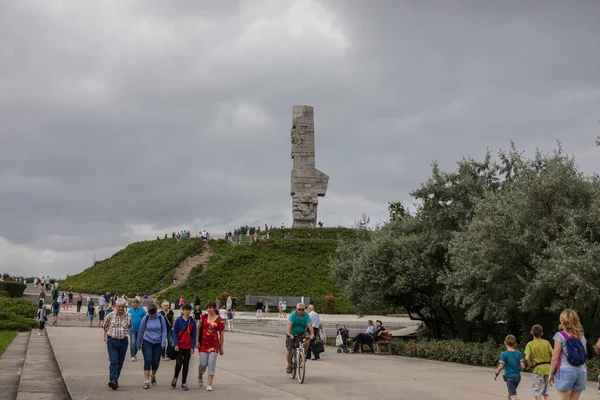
(253, 368)
(41, 379)
(11, 365)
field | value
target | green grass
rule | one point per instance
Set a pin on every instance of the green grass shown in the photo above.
(298, 266)
(6, 337)
(140, 268)
(294, 267)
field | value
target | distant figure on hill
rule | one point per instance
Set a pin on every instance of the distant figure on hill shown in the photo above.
(174, 280)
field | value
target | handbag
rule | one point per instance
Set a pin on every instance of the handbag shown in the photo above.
(171, 353)
(199, 334)
(318, 347)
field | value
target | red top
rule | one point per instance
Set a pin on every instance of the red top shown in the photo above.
(210, 334)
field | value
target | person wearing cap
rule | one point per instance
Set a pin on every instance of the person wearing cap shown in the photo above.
(368, 338)
(137, 314)
(169, 319)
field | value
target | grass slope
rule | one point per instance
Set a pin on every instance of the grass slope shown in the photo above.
(297, 267)
(140, 268)
(6, 337)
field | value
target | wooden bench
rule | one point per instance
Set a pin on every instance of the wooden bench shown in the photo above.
(382, 346)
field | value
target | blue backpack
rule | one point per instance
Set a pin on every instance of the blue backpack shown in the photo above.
(575, 350)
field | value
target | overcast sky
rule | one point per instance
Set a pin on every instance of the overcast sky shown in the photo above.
(123, 120)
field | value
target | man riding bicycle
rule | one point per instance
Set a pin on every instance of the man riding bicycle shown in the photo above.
(298, 323)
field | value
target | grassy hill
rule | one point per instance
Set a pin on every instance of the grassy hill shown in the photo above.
(140, 268)
(296, 267)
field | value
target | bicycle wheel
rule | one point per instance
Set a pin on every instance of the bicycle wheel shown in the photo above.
(294, 363)
(301, 366)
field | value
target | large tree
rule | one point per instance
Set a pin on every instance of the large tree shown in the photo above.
(532, 247)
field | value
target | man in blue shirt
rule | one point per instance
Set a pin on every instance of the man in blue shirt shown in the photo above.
(137, 314)
(298, 323)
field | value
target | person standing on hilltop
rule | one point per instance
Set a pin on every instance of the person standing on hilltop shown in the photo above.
(116, 330)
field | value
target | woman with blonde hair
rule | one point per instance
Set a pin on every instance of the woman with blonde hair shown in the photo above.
(568, 357)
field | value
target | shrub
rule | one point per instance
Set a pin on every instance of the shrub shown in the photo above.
(19, 307)
(14, 322)
(13, 289)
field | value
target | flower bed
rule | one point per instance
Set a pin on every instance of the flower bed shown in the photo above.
(483, 354)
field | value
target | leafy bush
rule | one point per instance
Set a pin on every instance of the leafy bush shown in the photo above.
(140, 268)
(18, 307)
(13, 289)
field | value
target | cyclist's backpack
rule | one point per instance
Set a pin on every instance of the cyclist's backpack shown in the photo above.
(575, 350)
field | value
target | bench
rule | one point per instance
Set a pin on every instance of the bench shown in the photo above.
(382, 346)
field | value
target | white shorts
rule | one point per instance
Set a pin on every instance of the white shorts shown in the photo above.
(259, 313)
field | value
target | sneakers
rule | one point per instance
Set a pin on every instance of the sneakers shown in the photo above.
(132, 359)
(113, 385)
(174, 383)
(209, 388)
(147, 385)
(153, 379)
(200, 381)
(288, 369)
(184, 387)
(39, 333)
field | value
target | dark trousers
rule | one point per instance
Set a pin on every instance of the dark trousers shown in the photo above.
(78, 306)
(117, 350)
(169, 343)
(363, 338)
(151, 352)
(182, 360)
(311, 348)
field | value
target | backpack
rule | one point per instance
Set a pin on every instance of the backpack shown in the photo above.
(575, 350)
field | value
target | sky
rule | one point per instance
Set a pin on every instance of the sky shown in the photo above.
(124, 120)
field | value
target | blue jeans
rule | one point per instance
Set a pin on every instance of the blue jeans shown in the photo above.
(151, 352)
(117, 349)
(133, 339)
(571, 379)
(512, 383)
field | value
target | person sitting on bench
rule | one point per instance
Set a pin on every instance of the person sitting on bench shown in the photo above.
(369, 338)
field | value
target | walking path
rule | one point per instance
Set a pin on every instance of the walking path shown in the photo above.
(41, 378)
(11, 365)
(253, 368)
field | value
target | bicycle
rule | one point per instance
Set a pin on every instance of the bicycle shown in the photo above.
(299, 359)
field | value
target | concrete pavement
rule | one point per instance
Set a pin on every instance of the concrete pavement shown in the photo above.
(253, 368)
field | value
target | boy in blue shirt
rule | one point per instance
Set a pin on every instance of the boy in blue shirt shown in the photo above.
(512, 362)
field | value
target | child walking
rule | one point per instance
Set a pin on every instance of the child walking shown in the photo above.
(538, 354)
(41, 318)
(511, 361)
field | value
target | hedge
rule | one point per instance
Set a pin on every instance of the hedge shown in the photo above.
(14, 289)
(483, 354)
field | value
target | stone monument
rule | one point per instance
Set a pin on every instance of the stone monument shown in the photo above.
(307, 183)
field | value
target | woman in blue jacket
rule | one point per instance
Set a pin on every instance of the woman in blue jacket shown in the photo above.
(152, 338)
(184, 340)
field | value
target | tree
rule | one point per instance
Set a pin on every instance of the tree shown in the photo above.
(397, 211)
(531, 248)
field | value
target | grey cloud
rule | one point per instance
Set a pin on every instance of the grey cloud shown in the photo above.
(124, 114)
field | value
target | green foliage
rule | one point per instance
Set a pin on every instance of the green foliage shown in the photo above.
(242, 230)
(6, 337)
(141, 268)
(13, 289)
(397, 211)
(12, 322)
(19, 307)
(513, 240)
(338, 233)
(269, 268)
(532, 248)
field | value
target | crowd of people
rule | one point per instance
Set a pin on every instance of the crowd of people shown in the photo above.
(160, 337)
